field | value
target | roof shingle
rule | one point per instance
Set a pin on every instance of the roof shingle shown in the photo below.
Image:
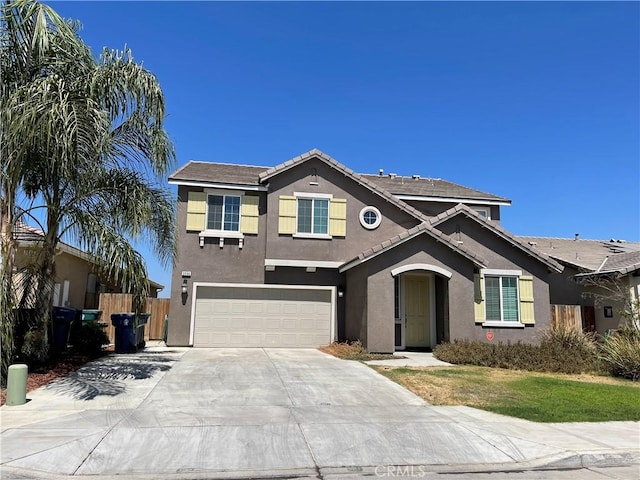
(584, 254)
(199, 171)
(209, 172)
(430, 187)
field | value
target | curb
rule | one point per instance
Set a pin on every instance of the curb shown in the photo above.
(571, 461)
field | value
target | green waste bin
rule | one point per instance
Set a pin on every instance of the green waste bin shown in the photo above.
(91, 315)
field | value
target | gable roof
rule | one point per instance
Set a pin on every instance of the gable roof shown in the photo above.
(206, 173)
(587, 255)
(423, 228)
(435, 188)
(199, 173)
(462, 209)
(317, 154)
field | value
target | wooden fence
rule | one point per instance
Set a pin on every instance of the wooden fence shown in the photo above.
(121, 302)
(568, 315)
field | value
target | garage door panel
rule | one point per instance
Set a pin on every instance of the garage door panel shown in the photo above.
(255, 307)
(261, 317)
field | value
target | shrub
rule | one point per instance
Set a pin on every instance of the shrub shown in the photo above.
(353, 351)
(621, 352)
(560, 351)
(90, 339)
(566, 350)
(34, 347)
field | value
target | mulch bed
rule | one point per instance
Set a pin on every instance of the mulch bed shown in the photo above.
(44, 374)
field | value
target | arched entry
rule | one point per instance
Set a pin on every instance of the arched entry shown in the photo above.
(419, 294)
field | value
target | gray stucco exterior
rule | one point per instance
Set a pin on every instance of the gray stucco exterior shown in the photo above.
(366, 311)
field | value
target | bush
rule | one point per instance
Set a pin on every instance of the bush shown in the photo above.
(34, 347)
(90, 339)
(353, 351)
(560, 351)
(621, 352)
(566, 350)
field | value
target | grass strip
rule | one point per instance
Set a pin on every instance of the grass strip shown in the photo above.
(532, 396)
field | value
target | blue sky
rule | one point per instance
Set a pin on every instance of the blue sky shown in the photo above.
(538, 102)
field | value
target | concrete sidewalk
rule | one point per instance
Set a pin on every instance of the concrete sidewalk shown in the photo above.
(256, 413)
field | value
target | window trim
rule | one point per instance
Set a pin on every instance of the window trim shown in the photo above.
(313, 196)
(364, 211)
(500, 274)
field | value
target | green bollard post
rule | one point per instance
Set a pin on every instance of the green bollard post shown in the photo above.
(17, 384)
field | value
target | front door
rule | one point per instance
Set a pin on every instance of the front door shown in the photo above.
(416, 311)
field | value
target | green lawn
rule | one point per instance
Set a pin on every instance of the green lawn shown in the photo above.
(532, 396)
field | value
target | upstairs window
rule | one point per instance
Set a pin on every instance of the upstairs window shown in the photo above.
(223, 213)
(483, 211)
(313, 216)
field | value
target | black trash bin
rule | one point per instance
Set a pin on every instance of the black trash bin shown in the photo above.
(143, 318)
(62, 317)
(125, 335)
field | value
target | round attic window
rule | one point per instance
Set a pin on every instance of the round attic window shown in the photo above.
(370, 217)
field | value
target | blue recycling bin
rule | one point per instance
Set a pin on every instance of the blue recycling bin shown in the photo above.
(124, 324)
(61, 318)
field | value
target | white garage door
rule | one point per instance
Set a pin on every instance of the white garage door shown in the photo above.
(262, 317)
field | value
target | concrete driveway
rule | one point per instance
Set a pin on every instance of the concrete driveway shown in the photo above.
(258, 412)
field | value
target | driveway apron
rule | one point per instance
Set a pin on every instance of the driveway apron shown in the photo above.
(267, 410)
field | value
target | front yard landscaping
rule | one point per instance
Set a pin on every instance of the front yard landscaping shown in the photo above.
(354, 351)
(540, 397)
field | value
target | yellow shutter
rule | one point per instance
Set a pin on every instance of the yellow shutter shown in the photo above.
(249, 214)
(196, 211)
(527, 315)
(478, 298)
(287, 220)
(338, 217)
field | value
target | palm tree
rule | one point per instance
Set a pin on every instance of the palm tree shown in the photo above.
(93, 152)
(34, 41)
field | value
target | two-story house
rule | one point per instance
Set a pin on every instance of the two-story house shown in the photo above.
(308, 252)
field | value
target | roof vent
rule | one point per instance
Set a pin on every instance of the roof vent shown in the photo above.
(576, 237)
(381, 172)
(393, 175)
(533, 244)
(415, 177)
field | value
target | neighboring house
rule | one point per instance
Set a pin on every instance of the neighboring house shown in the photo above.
(77, 284)
(588, 263)
(309, 251)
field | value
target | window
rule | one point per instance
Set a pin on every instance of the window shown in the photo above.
(313, 215)
(370, 217)
(223, 213)
(483, 211)
(501, 298)
(504, 298)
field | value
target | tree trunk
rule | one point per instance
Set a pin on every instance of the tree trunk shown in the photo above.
(46, 280)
